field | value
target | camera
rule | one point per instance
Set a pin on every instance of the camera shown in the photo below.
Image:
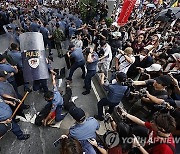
(141, 93)
(107, 118)
(128, 82)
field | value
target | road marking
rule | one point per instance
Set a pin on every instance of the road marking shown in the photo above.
(95, 91)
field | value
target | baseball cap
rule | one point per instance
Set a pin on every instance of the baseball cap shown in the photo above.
(71, 46)
(154, 67)
(121, 76)
(2, 56)
(3, 73)
(164, 80)
(77, 113)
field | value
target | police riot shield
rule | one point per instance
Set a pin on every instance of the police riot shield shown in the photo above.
(33, 55)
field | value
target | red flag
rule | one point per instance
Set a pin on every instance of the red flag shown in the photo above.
(127, 8)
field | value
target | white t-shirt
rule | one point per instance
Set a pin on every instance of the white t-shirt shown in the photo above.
(108, 53)
(124, 64)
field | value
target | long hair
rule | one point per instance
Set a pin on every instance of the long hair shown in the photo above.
(70, 146)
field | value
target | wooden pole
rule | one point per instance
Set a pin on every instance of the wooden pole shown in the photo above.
(24, 97)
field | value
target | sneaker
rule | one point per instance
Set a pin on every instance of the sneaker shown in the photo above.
(98, 118)
(74, 98)
(16, 120)
(24, 137)
(86, 92)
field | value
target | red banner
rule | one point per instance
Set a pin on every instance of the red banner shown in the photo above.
(126, 10)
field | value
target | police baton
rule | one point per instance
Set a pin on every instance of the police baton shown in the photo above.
(22, 100)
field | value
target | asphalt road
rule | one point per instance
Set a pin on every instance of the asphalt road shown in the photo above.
(42, 138)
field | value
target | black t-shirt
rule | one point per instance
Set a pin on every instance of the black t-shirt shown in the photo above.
(161, 94)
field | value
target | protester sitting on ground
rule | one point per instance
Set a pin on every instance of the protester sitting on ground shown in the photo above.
(55, 101)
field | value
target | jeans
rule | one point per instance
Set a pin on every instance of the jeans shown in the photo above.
(59, 116)
(16, 130)
(87, 147)
(87, 81)
(75, 66)
(105, 102)
(38, 84)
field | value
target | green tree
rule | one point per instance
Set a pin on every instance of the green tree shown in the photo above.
(85, 13)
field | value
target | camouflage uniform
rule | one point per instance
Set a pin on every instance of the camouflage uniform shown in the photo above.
(58, 36)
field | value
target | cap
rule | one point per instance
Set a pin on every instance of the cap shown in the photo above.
(165, 80)
(77, 113)
(154, 67)
(176, 56)
(2, 56)
(71, 46)
(3, 73)
(121, 76)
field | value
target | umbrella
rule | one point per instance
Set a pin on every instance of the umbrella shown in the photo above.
(151, 5)
(162, 15)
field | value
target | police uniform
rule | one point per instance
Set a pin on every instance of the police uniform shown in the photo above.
(9, 69)
(91, 71)
(115, 94)
(78, 57)
(5, 113)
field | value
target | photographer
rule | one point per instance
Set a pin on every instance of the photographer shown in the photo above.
(91, 65)
(115, 94)
(156, 88)
(160, 139)
(124, 60)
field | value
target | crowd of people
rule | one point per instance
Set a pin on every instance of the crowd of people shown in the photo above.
(138, 66)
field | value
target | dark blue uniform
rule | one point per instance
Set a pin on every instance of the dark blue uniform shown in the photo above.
(78, 57)
(91, 71)
(5, 113)
(115, 94)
